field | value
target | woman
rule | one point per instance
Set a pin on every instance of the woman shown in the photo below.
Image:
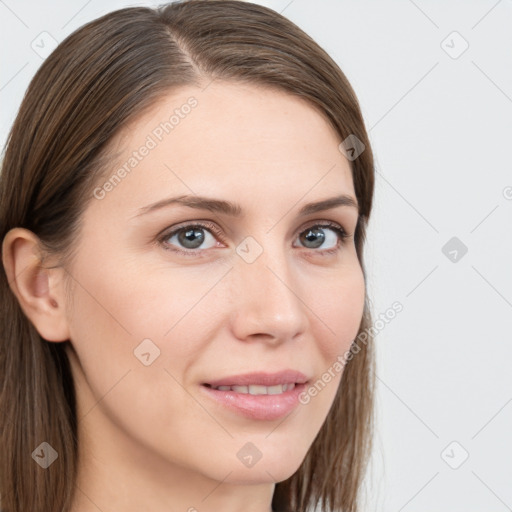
(184, 198)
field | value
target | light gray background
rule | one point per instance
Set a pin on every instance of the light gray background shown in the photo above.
(440, 125)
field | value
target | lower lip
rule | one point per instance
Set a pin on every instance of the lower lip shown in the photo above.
(258, 407)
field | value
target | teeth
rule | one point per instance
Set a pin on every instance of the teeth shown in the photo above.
(258, 390)
(275, 390)
(255, 389)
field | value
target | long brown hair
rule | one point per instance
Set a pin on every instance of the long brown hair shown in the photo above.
(97, 80)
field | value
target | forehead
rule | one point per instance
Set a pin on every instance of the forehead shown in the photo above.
(235, 140)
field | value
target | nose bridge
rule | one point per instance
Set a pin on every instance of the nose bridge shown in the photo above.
(267, 300)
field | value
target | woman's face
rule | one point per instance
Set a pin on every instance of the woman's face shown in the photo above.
(170, 298)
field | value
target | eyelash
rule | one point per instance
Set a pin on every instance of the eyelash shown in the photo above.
(342, 234)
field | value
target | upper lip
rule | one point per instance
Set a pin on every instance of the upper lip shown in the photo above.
(261, 378)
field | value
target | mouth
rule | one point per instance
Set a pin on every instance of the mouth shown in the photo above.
(256, 389)
(258, 396)
(259, 380)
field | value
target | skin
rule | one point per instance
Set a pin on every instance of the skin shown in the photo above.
(149, 438)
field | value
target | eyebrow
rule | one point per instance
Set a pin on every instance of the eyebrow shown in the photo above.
(235, 210)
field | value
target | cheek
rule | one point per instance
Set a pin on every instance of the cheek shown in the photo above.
(339, 308)
(117, 309)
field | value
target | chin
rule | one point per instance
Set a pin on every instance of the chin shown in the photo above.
(263, 475)
(275, 464)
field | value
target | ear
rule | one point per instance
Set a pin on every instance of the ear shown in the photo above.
(39, 291)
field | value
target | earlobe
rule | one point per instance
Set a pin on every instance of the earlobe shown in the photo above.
(39, 290)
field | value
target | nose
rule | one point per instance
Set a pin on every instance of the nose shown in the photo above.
(268, 303)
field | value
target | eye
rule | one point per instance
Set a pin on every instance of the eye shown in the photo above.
(190, 239)
(327, 236)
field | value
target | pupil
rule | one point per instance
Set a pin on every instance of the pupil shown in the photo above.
(192, 238)
(316, 236)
